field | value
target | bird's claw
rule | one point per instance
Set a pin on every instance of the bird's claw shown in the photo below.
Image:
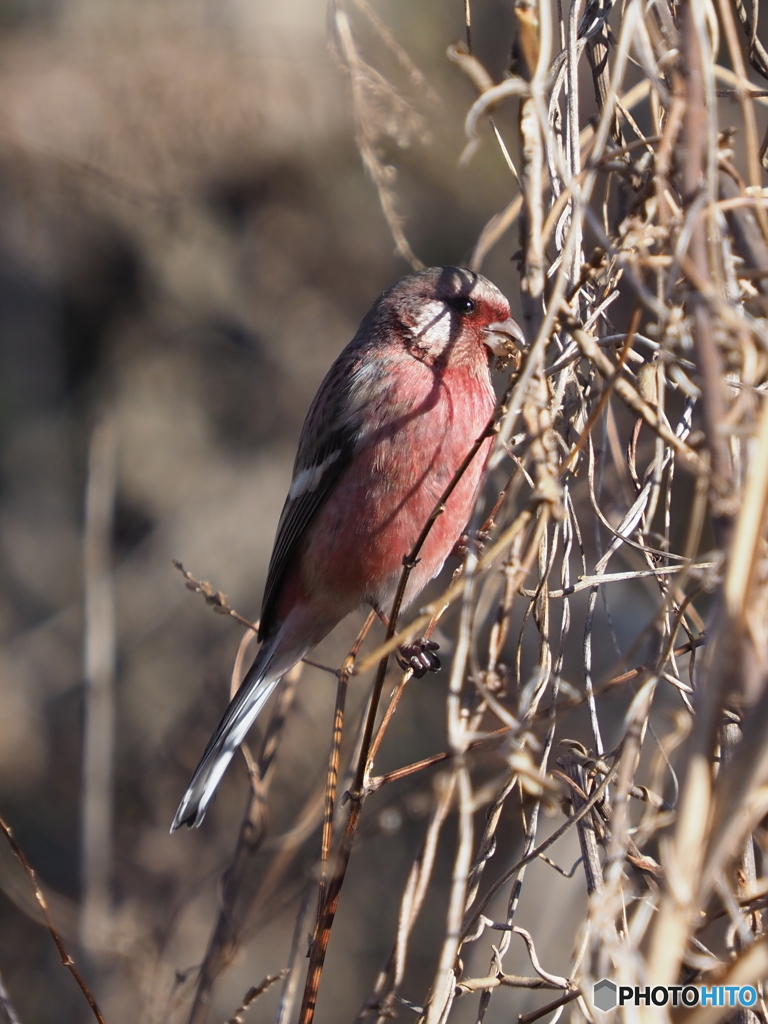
(419, 656)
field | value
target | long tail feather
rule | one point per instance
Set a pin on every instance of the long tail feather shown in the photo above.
(261, 679)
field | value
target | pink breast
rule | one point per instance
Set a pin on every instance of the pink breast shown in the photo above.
(380, 505)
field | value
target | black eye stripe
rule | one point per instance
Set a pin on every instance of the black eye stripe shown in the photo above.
(461, 304)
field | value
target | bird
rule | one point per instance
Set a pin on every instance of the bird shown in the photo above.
(393, 420)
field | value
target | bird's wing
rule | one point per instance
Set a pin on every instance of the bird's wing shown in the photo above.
(332, 431)
(311, 485)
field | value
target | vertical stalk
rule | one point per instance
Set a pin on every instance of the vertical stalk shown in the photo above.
(99, 657)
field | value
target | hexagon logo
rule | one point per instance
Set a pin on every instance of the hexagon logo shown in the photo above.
(604, 995)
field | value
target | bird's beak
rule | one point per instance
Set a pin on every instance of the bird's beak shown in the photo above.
(504, 338)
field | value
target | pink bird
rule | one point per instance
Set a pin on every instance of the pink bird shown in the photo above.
(391, 423)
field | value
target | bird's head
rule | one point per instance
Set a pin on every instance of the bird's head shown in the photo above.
(449, 315)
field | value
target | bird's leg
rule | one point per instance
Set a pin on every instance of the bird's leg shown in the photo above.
(418, 655)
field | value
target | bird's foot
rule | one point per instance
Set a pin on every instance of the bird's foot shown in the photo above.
(419, 656)
(472, 542)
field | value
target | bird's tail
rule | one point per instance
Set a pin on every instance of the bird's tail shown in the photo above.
(262, 677)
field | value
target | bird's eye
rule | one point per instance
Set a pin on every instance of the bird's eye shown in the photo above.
(462, 304)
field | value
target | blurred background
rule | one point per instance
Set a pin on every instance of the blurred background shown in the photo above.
(187, 239)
